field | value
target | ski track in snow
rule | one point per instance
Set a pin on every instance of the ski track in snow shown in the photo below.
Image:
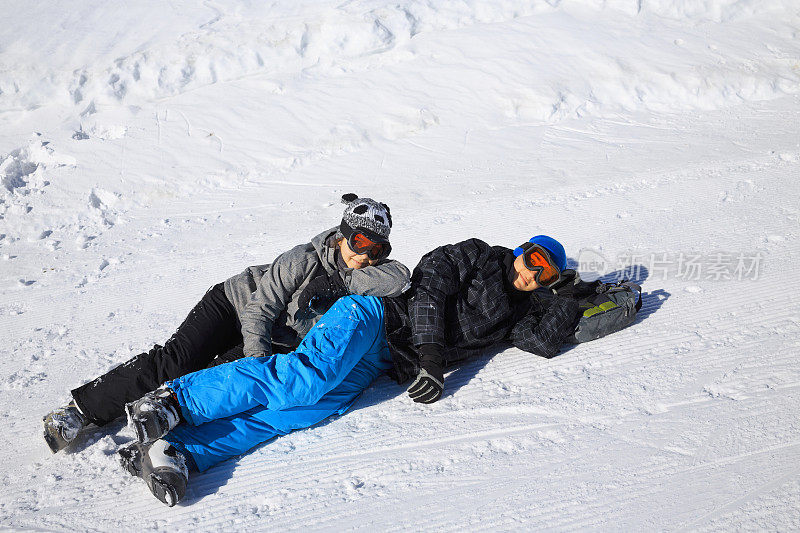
(141, 164)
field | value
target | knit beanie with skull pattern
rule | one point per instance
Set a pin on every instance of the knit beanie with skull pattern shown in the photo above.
(366, 214)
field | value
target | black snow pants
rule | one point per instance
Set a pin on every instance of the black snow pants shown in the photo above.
(210, 335)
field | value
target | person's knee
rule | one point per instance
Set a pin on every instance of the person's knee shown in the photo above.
(368, 309)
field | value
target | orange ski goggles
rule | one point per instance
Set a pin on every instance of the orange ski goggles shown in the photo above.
(366, 242)
(539, 261)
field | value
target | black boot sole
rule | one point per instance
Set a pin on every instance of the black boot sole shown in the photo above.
(130, 458)
(166, 484)
(55, 441)
(165, 491)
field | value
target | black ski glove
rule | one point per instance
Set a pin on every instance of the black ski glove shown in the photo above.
(429, 385)
(320, 293)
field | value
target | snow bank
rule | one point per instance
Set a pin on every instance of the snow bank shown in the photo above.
(313, 36)
(21, 171)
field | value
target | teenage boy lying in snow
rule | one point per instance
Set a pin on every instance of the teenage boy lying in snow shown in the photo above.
(265, 309)
(464, 297)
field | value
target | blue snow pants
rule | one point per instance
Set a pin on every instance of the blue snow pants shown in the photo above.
(230, 408)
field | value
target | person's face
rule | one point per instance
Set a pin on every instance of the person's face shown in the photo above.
(523, 278)
(351, 259)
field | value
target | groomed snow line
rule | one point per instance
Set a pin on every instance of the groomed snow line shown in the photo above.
(149, 150)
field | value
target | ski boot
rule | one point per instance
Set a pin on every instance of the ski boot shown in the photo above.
(160, 465)
(62, 426)
(153, 415)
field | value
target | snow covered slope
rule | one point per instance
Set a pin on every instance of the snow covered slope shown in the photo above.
(151, 149)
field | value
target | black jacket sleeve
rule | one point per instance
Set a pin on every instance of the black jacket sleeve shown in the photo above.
(545, 336)
(439, 274)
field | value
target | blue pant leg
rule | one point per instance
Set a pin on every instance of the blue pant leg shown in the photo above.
(218, 440)
(351, 328)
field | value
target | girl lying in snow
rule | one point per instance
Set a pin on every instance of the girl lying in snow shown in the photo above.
(265, 309)
(464, 298)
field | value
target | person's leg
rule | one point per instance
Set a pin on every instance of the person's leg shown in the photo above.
(352, 327)
(212, 327)
(234, 354)
(213, 442)
(335, 362)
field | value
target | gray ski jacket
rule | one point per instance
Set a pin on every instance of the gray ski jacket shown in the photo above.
(271, 300)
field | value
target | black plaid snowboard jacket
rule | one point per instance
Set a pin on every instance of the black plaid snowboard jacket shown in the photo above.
(461, 299)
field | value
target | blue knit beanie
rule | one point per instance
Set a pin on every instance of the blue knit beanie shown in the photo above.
(551, 245)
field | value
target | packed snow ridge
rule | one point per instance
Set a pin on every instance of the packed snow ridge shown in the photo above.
(336, 41)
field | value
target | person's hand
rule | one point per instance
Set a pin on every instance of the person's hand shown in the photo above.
(320, 293)
(429, 385)
(427, 388)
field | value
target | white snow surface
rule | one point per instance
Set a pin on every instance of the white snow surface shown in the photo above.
(150, 149)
